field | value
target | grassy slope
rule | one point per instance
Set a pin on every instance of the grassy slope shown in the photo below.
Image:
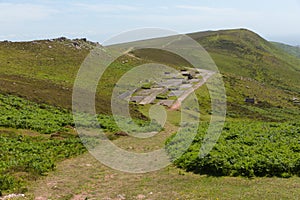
(244, 53)
(54, 60)
(293, 50)
(41, 71)
(241, 52)
(84, 177)
(44, 71)
(46, 74)
(251, 67)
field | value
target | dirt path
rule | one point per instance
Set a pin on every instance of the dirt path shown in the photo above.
(85, 177)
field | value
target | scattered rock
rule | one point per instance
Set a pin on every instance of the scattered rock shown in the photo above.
(121, 197)
(121, 133)
(108, 177)
(141, 196)
(75, 44)
(80, 197)
(61, 39)
(41, 198)
(55, 187)
(12, 196)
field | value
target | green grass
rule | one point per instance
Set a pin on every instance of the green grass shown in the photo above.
(244, 53)
(251, 67)
(96, 181)
(36, 60)
(147, 86)
(293, 50)
(272, 104)
(44, 71)
(45, 75)
(25, 157)
(245, 149)
(22, 114)
(19, 113)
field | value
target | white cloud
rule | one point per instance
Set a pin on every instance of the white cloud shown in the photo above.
(105, 7)
(206, 9)
(19, 12)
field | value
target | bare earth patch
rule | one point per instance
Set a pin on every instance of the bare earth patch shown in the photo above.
(84, 177)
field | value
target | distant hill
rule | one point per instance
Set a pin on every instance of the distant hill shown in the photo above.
(252, 67)
(244, 53)
(44, 71)
(293, 50)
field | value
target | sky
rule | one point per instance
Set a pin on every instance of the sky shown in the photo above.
(98, 20)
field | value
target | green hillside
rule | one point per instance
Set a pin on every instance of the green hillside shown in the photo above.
(44, 71)
(251, 67)
(36, 80)
(244, 53)
(241, 52)
(293, 50)
(40, 70)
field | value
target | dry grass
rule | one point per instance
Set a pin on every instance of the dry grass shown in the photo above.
(84, 177)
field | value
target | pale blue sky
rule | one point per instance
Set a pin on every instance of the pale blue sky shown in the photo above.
(99, 20)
